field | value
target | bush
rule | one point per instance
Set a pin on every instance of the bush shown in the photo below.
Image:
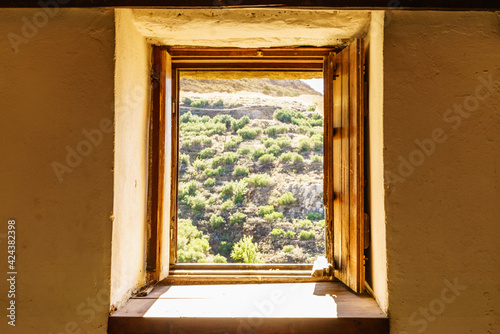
(206, 153)
(239, 191)
(216, 221)
(311, 107)
(303, 223)
(227, 205)
(276, 232)
(283, 115)
(220, 259)
(316, 158)
(258, 180)
(227, 190)
(314, 215)
(274, 150)
(227, 159)
(197, 203)
(209, 172)
(290, 234)
(321, 223)
(304, 145)
(201, 140)
(232, 143)
(224, 119)
(187, 117)
(275, 130)
(240, 171)
(238, 217)
(273, 216)
(283, 142)
(306, 235)
(246, 251)
(225, 248)
(286, 199)
(288, 248)
(184, 159)
(200, 103)
(238, 124)
(219, 104)
(257, 153)
(243, 150)
(267, 141)
(192, 245)
(266, 158)
(187, 101)
(266, 209)
(249, 133)
(210, 182)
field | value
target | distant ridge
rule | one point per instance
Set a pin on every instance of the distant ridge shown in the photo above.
(269, 87)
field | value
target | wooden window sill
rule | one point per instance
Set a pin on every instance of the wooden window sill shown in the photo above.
(321, 307)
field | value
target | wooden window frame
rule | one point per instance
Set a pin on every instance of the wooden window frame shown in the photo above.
(343, 73)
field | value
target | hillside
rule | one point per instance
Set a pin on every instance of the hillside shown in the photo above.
(251, 165)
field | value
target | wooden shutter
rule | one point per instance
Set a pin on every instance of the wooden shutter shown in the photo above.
(347, 71)
(161, 120)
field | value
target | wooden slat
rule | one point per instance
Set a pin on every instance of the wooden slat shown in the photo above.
(263, 66)
(174, 169)
(225, 53)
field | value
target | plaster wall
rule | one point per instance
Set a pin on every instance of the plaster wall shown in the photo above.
(132, 56)
(441, 161)
(56, 102)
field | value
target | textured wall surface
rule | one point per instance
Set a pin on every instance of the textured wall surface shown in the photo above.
(56, 102)
(442, 144)
(131, 158)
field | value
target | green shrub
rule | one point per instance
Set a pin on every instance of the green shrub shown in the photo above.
(210, 182)
(316, 158)
(283, 141)
(303, 223)
(201, 140)
(220, 259)
(197, 203)
(304, 145)
(274, 150)
(273, 216)
(240, 171)
(266, 158)
(246, 251)
(216, 221)
(258, 180)
(243, 150)
(238, 217)
(257, 153)
(311, 107)
(239, 191)
(184, 159)
(206, 153)
(187, 101)
(288, 248)
(291, 157)
(276, 232)
(218, 104)
(186, 117)
(267, 141)
(192, 245)
(290, 234)
(224, 119)
(275, 130)
(215, 129)
(238, 124)
(209, 172)
(227, 190)
(232, 143)
(314, 215)
(249, 132)
(321, 223)
(225, 248)
(200, 103)
(227, 205)
(297, 158)
(306, 235)
(286, 199)
(266, 209)
(283, 115)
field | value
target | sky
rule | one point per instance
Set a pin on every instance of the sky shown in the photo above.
(316, 84)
